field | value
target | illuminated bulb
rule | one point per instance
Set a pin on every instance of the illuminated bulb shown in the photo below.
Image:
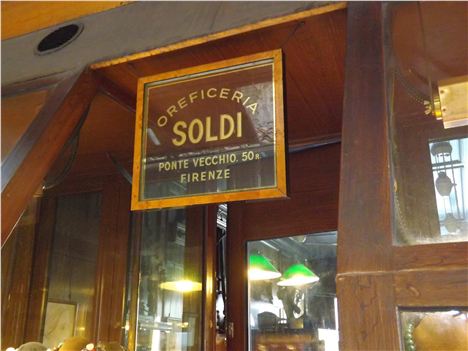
(182, 286)
(90, 347)
(10, 349)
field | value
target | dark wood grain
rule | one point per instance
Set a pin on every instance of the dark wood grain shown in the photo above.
(433, 255)
(119, 262)
(312, 205)
(366, 313)
(112, 261)
(425, 288)
(32, 170)
(236, 265)
(364, 212)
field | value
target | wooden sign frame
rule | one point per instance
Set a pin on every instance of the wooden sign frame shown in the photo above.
(276, 191)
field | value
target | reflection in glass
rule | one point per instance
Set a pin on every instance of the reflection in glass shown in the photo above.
(434, 330)
(170, 287)
(449, 159)
(297, 308)
(426, 73)
(72, 274)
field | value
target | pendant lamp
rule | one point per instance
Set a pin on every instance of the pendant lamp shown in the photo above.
(261, 269)
(298, 275)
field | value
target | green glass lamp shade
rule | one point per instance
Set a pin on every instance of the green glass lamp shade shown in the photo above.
(297, 275)
(261, 269)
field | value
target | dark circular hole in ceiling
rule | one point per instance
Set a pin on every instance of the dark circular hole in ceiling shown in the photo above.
(59, 38)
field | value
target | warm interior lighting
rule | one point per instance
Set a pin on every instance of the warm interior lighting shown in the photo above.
(182, 286)
(261, 269)
(297, 275)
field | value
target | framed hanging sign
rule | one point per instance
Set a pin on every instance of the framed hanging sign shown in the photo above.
(210, 134)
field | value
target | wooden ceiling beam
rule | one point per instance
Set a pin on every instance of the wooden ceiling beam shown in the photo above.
(30, 173)
(115, 92)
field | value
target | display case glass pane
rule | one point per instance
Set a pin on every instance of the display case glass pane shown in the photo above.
(292, 293)
(69, 308)
(169, 312)
(434, 329)
(427, 94)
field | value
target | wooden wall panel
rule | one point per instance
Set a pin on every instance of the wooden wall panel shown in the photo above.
(111, 272)
(312, 205)
(366, 313)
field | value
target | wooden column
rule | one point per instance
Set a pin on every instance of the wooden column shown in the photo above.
(364, 287)
(111, 272)
(375, 276)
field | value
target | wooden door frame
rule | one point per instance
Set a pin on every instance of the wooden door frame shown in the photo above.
(375, 277)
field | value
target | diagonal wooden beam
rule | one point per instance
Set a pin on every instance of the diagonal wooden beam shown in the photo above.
(61, 121)
(123, 97)
(58, 89)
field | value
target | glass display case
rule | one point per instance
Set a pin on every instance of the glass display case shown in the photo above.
(427, 94)
(292, 293)
(169, 312)
(69, 307)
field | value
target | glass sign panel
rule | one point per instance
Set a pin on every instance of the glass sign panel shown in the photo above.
(209, 134)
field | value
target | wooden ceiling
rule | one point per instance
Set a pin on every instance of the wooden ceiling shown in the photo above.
(314, 60)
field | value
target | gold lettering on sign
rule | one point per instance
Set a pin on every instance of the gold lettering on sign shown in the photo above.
(222, 93)
(197, 129)
(177, 126)
(194, 177)
(209, 137)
